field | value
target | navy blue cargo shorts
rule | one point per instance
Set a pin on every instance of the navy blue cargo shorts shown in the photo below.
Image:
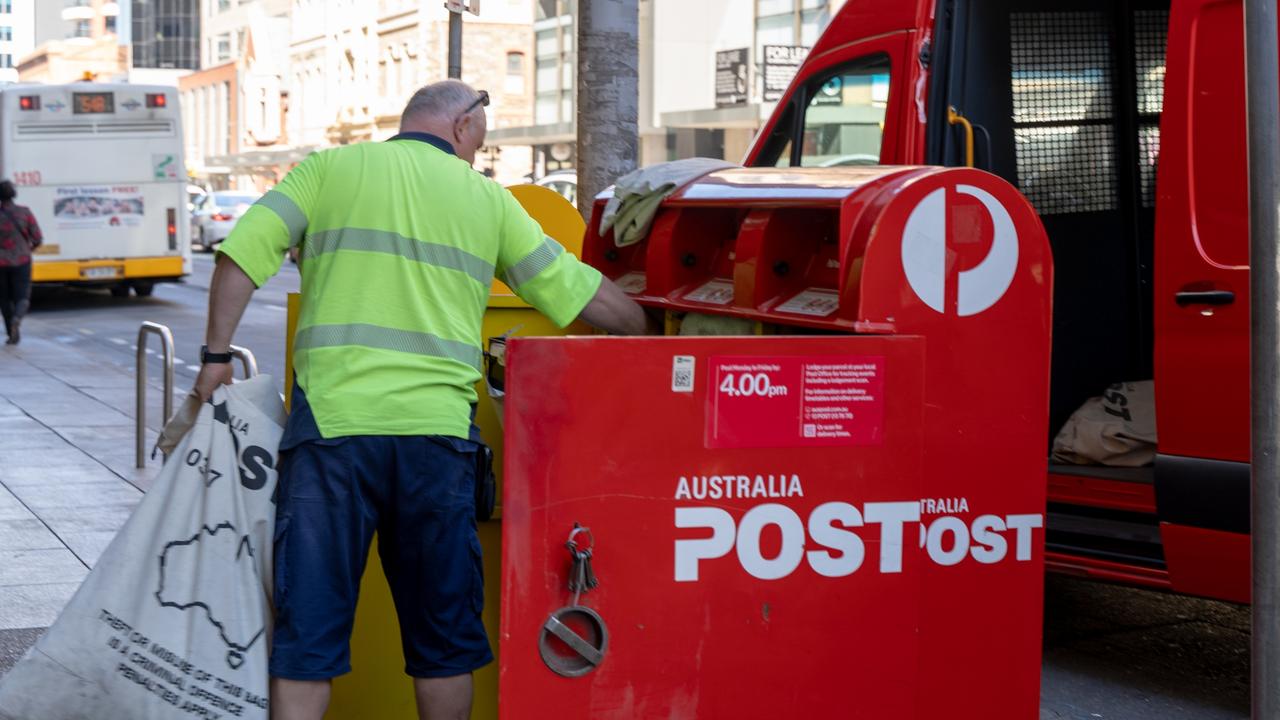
(418, 493)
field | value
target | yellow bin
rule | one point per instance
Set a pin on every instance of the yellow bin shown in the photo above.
(377, 686)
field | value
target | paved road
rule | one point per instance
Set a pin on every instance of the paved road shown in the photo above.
(92, 320)
(1110, 652)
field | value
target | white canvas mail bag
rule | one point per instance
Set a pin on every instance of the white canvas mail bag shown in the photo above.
(174, 619)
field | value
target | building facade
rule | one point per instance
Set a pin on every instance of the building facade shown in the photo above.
(354, 65)
(224, 27)
(680, 114)
(49, 24)
(73, 39)
(234, 108)
(17, 35)
(165, 34)
(64, 61)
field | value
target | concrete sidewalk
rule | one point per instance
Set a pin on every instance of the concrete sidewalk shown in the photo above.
(67, 477)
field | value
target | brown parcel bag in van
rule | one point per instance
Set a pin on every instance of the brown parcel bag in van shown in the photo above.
(1116, 429)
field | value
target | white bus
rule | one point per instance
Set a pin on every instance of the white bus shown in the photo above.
(101, 166)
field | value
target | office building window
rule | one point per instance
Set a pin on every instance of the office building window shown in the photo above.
(553, 63)
(514, 82)
(166, 34)
(6, 60)
(6, 6)
(6, 33)
(81, 29)
(222, 52)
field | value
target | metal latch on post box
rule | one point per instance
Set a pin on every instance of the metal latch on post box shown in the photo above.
(578, 627)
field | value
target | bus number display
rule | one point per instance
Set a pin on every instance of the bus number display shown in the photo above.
(27, 178)
(92, 103)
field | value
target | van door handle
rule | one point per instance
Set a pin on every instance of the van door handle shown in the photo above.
(1204, 297)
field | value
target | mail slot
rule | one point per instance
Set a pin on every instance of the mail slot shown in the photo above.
(840, 517)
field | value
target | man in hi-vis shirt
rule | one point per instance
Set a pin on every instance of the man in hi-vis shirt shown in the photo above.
(399, 242)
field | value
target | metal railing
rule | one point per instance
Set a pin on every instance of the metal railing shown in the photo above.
(244, 355)
(140, 411)
(246, 358)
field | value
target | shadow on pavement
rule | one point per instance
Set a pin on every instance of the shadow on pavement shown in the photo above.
(1178, 656)
(45, 300)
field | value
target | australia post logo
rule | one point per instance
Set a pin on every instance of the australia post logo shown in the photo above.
(924, 252)
(832, 540)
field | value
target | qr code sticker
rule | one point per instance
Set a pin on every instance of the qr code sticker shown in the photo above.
(810, 430)
(682, 373)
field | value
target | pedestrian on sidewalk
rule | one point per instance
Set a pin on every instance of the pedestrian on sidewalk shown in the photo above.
(401, 241)
(19, 237)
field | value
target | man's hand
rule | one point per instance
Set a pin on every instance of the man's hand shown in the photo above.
(613, 311)
(210, 377)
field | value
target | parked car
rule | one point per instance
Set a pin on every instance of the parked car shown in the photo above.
(195, 195)
(217, 214)
(564, 182)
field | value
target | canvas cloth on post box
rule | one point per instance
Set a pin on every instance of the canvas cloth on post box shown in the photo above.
(174, 619)
(1117, 429)
(637, 195)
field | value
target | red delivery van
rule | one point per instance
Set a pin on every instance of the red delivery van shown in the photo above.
(1123, 122)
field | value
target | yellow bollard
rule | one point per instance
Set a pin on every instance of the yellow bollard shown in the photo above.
(377, 686)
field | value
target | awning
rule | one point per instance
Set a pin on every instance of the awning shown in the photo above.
(746, 117)
(257, 159)
(565, 132)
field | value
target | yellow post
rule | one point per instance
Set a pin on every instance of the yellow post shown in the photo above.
(377, 686)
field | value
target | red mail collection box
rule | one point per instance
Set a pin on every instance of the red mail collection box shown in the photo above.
(842, 517)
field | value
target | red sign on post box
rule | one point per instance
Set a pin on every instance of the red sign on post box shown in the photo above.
(789, 401)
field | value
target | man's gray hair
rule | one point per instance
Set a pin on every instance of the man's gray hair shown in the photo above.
(443, 100)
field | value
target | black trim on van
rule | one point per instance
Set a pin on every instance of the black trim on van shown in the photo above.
(1203, 493)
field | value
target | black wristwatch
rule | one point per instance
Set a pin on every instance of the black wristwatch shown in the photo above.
(213, 358)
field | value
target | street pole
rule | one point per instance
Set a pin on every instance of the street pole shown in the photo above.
(1262, 102)
(455, 44)
(608, 95)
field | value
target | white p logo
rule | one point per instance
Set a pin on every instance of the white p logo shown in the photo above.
(924, 254)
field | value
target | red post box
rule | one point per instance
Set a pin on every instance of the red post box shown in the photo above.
(842, 517)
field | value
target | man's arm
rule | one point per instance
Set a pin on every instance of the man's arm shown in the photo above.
(252, 254)
(555, 282)
(229, 294)
(613, 311)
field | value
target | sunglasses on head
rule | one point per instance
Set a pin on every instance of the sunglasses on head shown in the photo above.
(481, 101)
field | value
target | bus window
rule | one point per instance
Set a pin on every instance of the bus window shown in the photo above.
(844, 122)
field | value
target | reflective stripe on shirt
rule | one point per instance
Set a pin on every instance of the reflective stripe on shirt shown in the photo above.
(533, 264)
(383, 338)
(288, 212)
(391, 243)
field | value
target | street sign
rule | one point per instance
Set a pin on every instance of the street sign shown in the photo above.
(461, 6)
(781, 62)
(731, 77)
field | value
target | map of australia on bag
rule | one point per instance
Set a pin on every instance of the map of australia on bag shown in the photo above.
(174, 620)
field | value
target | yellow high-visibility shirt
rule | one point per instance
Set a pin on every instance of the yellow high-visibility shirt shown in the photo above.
(400, 241)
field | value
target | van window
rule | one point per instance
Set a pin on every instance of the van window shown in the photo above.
(844, 121)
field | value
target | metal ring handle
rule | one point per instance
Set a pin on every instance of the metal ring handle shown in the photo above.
(587, 655)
